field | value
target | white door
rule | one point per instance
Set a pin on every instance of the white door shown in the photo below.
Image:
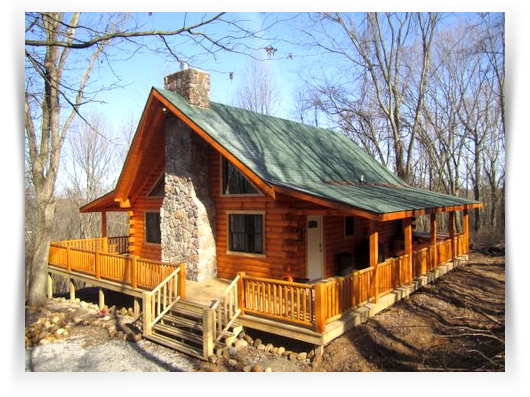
(315, 249)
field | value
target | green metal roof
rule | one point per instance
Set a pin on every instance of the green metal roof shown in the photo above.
(312, 160)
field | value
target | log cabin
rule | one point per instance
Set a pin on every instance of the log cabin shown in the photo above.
(307, 226)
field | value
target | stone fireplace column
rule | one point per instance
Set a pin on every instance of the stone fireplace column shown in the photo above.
(188, 212)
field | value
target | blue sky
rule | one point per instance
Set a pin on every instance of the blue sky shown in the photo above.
(146, 70)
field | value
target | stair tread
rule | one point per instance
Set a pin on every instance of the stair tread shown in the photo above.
(176, 345)
(187, 311)
(191, 306)
(183, 321)
(180, 333)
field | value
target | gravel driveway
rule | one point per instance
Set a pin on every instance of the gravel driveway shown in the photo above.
(83, 354)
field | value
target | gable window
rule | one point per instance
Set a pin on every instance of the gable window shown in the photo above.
(158, 188)
(152, 227)
(245, 233)
(349, 226)
(234, 182)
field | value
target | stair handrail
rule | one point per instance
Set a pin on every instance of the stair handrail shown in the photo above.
(160, 299)
(229, 301)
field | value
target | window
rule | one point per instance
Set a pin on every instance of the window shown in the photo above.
(158, 188)
(349, 226)
(398, 227)
(152, 227)
(234, 182)
(246, 233)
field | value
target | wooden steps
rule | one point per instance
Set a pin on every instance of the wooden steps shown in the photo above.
(182, 329)
(175, 345)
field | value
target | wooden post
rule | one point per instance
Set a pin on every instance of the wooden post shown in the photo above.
(97, 260)
(136, 308)
(452, 233)
(320, 307)
(466, 230)
(101, 298)
(147, 314)
(103, 223)
(134, 271)
(105, 244)
(434, 241)
(208, 329)
(72, 289)
(50, 286)
(182, 281)
(241, 292)
(407, 233)
(374, 257)
(68, 261)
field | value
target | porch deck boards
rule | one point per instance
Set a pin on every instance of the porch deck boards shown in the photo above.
(205, 292)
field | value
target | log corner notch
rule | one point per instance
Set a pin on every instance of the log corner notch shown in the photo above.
(123, 202)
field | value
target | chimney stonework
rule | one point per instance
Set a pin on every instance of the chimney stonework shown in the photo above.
(188, 212)
(192, 84)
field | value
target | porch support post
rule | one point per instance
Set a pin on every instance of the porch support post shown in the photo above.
(407, 233)
(465, 221)
(103, 223)
(182, 281)
(72, 289)
(101, 294)
(50, 286)
(452, 233)
(434, 242)
(374, 257)
(241, 292)
(136, 308)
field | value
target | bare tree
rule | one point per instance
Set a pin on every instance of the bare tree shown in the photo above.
(258, 91)
(61, 52)
(376, 48)
(91, 167)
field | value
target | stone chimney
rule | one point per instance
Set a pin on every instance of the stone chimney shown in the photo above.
(192, 84)
(188, 211)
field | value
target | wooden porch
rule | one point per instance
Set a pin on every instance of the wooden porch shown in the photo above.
(315, 312)
(208, 314)
(320, 311)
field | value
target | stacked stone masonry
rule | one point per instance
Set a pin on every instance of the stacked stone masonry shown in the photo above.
(188, 212)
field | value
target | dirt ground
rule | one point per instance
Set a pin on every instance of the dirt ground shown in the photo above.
(453, 324)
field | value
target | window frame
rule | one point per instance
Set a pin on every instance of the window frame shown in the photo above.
(344, 226)
(229, 234)
(146, 213)
(222, 161)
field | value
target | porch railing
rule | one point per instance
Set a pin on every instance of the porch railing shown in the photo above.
(279, 300)
(315, 305)
(112, 245)
(94, 260)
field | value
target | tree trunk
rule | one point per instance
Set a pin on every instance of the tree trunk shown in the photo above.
(38, 276)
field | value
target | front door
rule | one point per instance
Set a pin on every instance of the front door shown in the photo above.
(315, 261)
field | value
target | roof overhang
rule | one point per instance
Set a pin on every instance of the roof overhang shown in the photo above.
(105, 203)
(363, 213)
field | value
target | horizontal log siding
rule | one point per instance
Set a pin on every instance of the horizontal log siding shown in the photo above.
(140, 205)
(284, 253)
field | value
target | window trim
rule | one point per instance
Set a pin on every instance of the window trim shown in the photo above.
(145, 227)
(246, 212)
(222, 159)
(344, 226)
